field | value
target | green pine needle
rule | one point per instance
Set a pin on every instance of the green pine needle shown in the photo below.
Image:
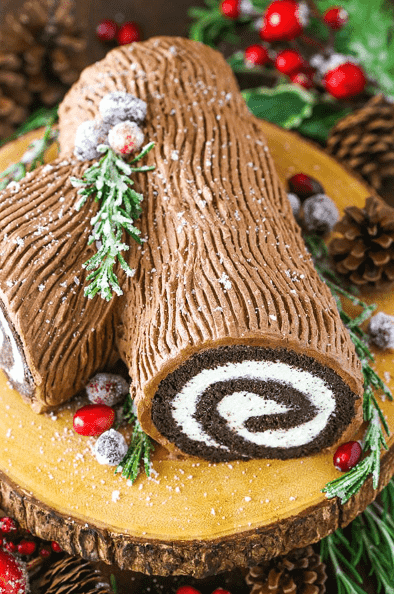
(350, 482)
(113, 584)
(371, 543)
(33, 157)
(140, 448)
(109, 181)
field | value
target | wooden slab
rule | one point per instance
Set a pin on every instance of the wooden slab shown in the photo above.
(192, 517)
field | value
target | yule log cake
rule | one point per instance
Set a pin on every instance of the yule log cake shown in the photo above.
(234, 346)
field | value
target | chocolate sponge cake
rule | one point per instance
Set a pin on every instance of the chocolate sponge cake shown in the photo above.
(235, 347)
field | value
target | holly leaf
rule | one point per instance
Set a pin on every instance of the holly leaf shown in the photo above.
(324, 117)
(369, 37)
(286, 105)
(260, 5)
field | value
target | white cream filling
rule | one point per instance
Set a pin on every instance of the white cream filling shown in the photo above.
(238, 407)
(17, 371)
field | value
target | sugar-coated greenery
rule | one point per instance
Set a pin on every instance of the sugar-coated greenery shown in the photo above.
(140, 447)
(350, 482)
(108, 181)
(34, 155)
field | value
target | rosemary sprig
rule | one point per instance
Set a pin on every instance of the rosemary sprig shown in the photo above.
(371, 543)
(350, 482)
(43, 116)
(109, 181)
(33, 157)
(331, 549)
(113, 584)
(140, 447)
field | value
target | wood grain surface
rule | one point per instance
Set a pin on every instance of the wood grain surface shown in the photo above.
(196, 519)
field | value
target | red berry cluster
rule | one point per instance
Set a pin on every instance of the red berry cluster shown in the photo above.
(283, 22)
(31, 549)
(108, 30)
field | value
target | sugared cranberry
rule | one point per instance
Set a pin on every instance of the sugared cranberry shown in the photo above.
(8, 525)
(12, 576)
(230, 9)
(128, 33)
(304, 186)
(345, 81)
(106, 30)
(283, 20)
(347, 455)
(10, 546)
(336, 17)
(256, 55)
(26, 547)
(289, 61)
(93, 419)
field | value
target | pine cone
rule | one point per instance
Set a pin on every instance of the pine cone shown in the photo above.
(365, 253)
(41, 55)
(73, 574)
(299, 572)
(364, 141)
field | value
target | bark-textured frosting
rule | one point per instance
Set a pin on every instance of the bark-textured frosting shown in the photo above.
(55, 338)
(223, 263)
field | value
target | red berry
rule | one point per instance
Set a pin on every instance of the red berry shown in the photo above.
(12, 575)
(347, 455)
(283, 20)
(106, 30)
(10, 546)
(26, 547)
(55, 547)
(304, 186)
(8, 525)
(345, 81)
(256, 54)
(44, 553)
(93, 419)
(302, 79)
(230, 8)
(289, 61)
(128, 33)
(220, 591)
(187, 590)
(336, 17)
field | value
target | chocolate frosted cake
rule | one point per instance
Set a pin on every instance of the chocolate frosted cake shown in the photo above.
(234, 345)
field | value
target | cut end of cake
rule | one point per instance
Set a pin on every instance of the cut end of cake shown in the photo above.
(242, 402)
(12, 358)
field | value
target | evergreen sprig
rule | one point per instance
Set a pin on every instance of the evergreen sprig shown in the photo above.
(140, 447)
(120, 205)
(350, 482)
(371, 542)
(33, 157)
(43, 116)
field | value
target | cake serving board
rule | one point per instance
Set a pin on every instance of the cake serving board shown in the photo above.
(191, 516)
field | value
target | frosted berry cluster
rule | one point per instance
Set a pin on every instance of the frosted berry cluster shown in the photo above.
(311, 207)
(104, 390)
(285, 21)
(119, 127)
